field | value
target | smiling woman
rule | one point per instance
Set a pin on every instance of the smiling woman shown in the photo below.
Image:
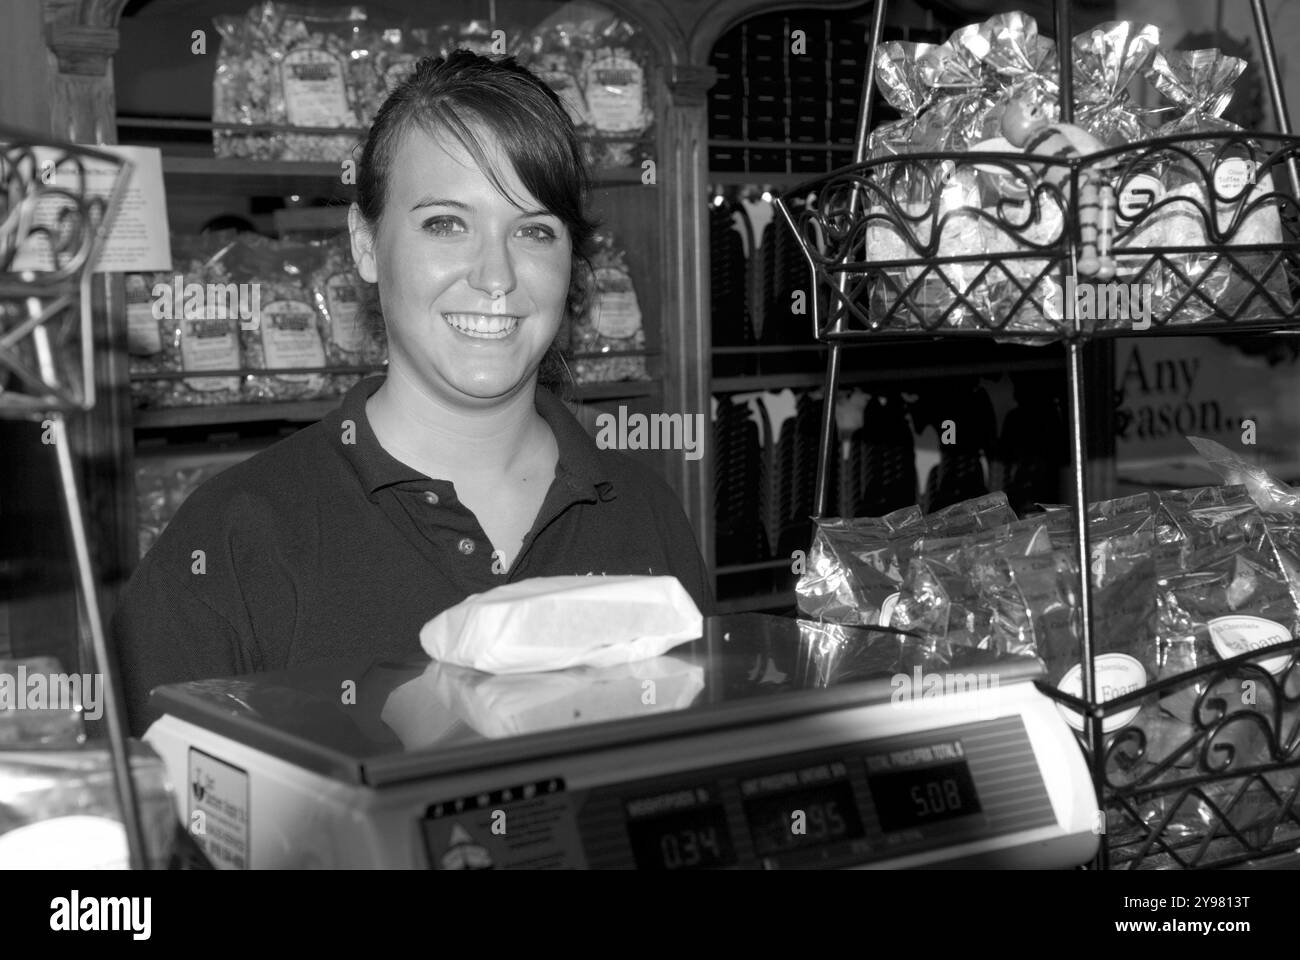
(455, 472)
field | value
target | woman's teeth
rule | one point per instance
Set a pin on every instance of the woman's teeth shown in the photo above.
(487, 325)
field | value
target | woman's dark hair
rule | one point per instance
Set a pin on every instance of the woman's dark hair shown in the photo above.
(530, 123)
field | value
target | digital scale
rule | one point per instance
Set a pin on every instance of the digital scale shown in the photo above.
(767, 743)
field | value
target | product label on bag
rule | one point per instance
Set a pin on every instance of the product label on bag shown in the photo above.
(618, 315)
(1232, 636)
(290, 337)
(210, 345)
(1140, 192)
(1233, 176)
(616, 94)
(344, 306)
(1116, 674)
(314, 94)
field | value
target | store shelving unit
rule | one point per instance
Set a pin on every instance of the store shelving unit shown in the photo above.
(777, 117)
(1194, 805)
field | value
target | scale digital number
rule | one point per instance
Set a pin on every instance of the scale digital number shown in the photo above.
(801, 809)
(919, 786)
(683, 830)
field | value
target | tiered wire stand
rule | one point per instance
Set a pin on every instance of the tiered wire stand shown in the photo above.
(877, 237)
(56, 203)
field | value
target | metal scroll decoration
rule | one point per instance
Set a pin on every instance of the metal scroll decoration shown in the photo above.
(56, 202)
(1205, 773)
(1205, 231)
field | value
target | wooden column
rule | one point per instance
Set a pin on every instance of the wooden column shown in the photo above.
(687, 335)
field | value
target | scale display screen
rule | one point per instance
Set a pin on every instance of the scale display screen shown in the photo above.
(692, 836)
(922, 785)
(808, 817)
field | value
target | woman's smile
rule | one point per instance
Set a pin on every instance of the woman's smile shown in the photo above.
(483, 326)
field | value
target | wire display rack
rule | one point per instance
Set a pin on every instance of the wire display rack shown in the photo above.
(890, 254)
(57, 201)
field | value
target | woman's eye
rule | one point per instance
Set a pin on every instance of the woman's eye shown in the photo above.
(443, 226)
(539, 231)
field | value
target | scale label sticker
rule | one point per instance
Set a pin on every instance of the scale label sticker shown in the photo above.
(916, 756)
(530, 826)
(218, 810)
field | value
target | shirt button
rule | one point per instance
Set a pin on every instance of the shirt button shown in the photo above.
(431, 498)
(466, 546)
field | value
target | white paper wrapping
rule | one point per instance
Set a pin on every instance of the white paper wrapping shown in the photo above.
(443, 703)
(553, 623)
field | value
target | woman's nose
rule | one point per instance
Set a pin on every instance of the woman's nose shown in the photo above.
(493, 271)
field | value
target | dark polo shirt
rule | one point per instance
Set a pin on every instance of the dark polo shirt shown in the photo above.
(318, 549)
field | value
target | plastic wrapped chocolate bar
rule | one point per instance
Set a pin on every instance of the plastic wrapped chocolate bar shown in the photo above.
(1020, 215)
(940, 595)
(616, 81)
(351, 322)
(197, 327)
(289, 331)
(291, 65)
(1222, 591)
(1215, 180)
(855, 566)
(556, 55)
(47, 792)
(611, 323)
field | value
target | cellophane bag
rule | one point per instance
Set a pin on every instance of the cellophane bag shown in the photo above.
(608, 339)
(1220, 180)
(183, 322)
(855, 566)
(1222, 592)
(351, 322)
(292, 66)
(290, 331)
(37, 787)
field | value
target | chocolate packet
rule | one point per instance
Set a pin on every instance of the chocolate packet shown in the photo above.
(1224, 592)
(1218, 180)
(1121, 540)
(1106, 60)
(855, 566)
(198, 326)
(288, 331)
(293, 66)
(941, 597)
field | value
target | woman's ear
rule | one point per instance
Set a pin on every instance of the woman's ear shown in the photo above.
(363, 245)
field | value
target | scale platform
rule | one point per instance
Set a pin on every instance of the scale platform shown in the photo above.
(766, 743)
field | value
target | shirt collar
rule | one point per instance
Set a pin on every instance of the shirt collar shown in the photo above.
(580, 466)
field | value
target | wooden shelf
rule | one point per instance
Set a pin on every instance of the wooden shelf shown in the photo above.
(796, 381)
(624, 390)
(309, 411)
(206, 175)
(297, 411)
(276, 178)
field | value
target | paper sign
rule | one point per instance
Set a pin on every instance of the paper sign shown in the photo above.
(138, 239)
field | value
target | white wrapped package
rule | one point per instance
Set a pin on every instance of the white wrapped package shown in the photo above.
(553, 623)
(445, 702)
